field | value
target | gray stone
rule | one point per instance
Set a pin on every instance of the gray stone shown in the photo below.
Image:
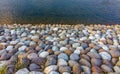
(74, 56)
(63, 56)
(43, 54)
(61, 62)
(9, 48)
(34, 67)
(22, 71)
(105, 55)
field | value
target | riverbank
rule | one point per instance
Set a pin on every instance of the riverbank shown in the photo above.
(59, 49)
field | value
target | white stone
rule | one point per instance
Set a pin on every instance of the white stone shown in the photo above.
(61, 62)
(22, 48)
(63, 48)
(13, 42)
(23, 34)
(65, 73)
(105, 55)
(22, 71)
(77, 51)
(55, 29)
(43, 54)
(9, 48)
(33, 32)
(48, 69)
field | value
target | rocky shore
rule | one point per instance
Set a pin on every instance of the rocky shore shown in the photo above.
(59, 49)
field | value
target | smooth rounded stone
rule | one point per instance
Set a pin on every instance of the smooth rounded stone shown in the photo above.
(2, 46)
(54, 72)
(77, 51)
(55, 29)
(94, 55)
(14, 42)
(96, 69)
(34, 67)
(55, 48)
(35, 38)
(2, 52)
(115, 53)
(105, 55)
(72, 63)
(96, 62)
(2, 63)
(83, 38)
(64, 68)
(105, 47)
(75, 45)
(32, 55)
(23, 34)
(62, 43)
(48, 69)
(43, 54)
(9, 48)
(86, 69)
(84, 45)
(91, 37)
(39, 61)
(51, 61)
(106, 68)
(35, 72)
(38, 48)
(74, 56)
(63, 48)
(32, 43)
(85, 57)
(33, 31)
(85, 62)
(22, 71)
(118, 63)
(116, 69)
(93, 50)
(66, 73)
(68, 51)
(22, 48)
(76, 69)
(63, 56)
(61, 62)
(5, 56)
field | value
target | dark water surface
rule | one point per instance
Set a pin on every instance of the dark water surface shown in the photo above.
(60, 11)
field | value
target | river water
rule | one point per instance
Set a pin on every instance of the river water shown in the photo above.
(60, 11)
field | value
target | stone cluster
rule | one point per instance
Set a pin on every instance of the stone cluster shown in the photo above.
(60, 49)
